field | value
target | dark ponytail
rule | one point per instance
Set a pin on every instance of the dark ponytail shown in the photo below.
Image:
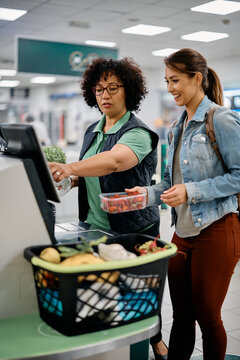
(214, 90)
(190, 61)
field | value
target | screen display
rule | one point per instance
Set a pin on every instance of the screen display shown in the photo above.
(22, 142)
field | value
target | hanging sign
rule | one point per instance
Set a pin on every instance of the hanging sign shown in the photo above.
(57, 58)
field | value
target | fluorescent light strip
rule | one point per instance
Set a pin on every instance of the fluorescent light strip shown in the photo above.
(7, 72)
(164, 52)
(43, 80)
(11, 14)
(100, 43)
(218, 7)
(9, 83)
(204, 36)
(147, 30)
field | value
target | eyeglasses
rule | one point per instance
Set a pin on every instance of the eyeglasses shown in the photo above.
(111, 89)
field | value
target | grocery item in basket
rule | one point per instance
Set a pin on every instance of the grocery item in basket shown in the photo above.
(114, 252)
(50, 254)
(104, 301)
(122, 202)
(49, 300)
(149, 247)
(95, 299)
(83, 247)
(135, 304)
(84, 259)
(46, 279)
(110, 277)
(131, 306)
(133, 282)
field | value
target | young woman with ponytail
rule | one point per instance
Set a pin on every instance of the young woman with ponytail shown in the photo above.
(204, 206)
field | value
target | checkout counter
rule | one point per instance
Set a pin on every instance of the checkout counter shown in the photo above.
(28, 194)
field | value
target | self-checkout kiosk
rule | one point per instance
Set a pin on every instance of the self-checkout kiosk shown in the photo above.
(26, 214)
(27, 197)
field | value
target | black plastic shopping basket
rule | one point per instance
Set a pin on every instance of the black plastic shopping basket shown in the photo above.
(80, 299)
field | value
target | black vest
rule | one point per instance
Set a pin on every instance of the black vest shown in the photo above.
(139, 175)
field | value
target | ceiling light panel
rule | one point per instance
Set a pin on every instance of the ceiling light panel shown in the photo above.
(7, 72)
(146, 30)
(100, 43)
(218, 7)
(9, 83)
(11, 14)
(43, 80)
(164, 52)
(204, 36)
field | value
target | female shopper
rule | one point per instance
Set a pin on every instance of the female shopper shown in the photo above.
(117, 151)
(204, 206)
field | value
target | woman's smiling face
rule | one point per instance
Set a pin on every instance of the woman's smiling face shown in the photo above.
(183, 87)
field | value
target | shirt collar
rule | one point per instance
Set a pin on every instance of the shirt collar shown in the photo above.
(116, 127)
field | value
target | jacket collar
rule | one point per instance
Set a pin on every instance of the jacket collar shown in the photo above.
(202, 109)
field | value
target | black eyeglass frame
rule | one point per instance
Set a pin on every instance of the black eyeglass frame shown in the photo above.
(106, 88)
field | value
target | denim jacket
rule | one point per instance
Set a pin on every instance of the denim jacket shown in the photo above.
(210, 190)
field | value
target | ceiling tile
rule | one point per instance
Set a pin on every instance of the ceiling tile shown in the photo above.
(123, 6)
(49, 20)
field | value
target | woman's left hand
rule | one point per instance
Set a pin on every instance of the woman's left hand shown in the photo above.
(175, 196)
(59, 171)
(139, 189)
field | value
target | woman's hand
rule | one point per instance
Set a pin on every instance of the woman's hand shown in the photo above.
(74, 181)
(59, 171)
(175, 196)
(139, 189)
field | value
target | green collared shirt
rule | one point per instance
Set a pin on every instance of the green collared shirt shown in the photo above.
(137, 139)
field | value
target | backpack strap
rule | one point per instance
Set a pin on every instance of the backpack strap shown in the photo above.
(212, 138)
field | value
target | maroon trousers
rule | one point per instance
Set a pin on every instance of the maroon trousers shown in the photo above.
(199, 277)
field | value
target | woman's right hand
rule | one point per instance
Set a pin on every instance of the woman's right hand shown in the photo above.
(59, 171)
(139, 189)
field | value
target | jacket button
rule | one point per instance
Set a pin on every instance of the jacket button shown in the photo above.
(194, 201)
(185, 162)
(199, 220)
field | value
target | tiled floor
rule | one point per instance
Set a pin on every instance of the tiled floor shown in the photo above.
(230, 310)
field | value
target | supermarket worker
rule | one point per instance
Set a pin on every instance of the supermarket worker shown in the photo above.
(118, 151)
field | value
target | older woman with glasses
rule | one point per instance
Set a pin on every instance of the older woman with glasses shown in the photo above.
(118, 151)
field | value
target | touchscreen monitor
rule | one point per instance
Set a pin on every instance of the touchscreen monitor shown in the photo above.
(22, 142)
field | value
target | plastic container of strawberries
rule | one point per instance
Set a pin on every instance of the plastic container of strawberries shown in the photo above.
(122, 202)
